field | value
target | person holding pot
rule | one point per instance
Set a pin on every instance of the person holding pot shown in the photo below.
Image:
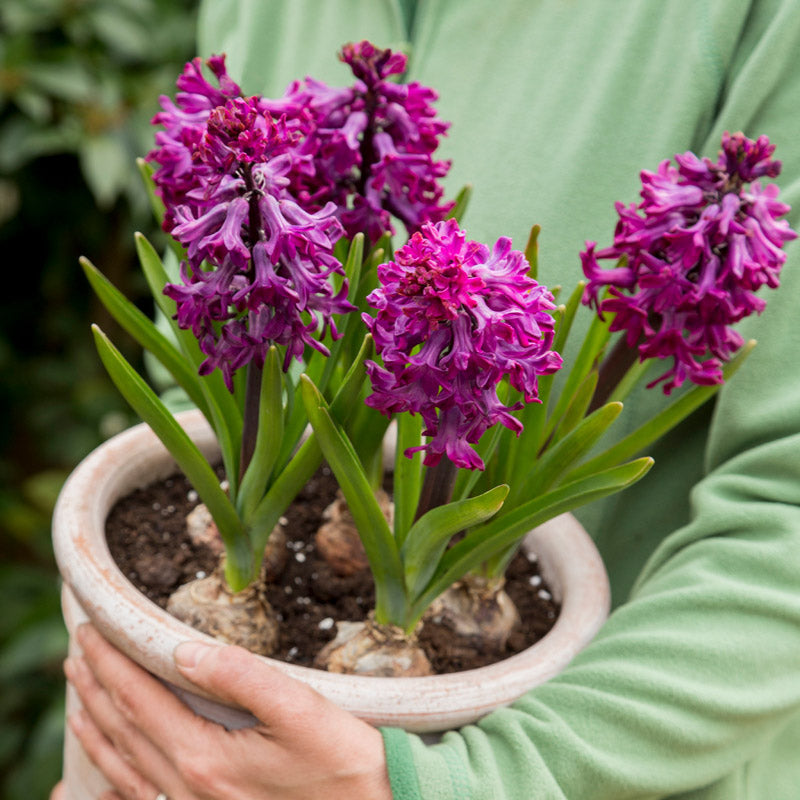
(692, 687)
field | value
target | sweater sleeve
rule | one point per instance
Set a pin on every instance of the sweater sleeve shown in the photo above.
(270, 43)
(696, 674)
(698, 671)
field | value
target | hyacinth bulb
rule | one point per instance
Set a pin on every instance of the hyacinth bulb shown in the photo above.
(691, 255)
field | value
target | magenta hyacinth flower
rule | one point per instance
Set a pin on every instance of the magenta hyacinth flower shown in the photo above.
(705, 237)
(453, 319)
(259, 264)
(368, 148)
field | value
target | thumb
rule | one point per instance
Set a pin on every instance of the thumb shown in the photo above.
(238, 677)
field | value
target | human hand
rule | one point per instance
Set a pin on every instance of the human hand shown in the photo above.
(146, 741)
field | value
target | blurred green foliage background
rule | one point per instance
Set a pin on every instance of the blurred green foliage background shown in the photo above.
(79, 82)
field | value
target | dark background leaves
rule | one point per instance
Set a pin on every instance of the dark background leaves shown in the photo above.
(79, 81)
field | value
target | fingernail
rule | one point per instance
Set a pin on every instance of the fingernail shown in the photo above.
(188, 655)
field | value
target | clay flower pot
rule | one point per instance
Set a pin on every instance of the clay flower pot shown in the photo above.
(94, 588)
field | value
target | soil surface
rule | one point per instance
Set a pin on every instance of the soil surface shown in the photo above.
(147, 539)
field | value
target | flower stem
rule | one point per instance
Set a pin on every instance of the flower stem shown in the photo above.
(250, 420)
(367, 148)
(612, 370)
(437, 487)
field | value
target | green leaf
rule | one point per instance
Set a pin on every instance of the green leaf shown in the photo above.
(630, 379)
(567, 317)
(532, 251)
(156, 203)
(145, 402)
(379, 545)
(486, 448)
(461, 203)
(663, 422)
(367, 429)
(596, 339)
(577, 407)
(223, 412)
(547, 468)
(144, 331)
(299, 470)
(352, 270)
(296, 419)
(268, 439)
(535, 415)
(157, 278)
(407, 474)
(430, 534)
(481, 544)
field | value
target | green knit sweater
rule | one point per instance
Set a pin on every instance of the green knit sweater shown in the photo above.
(692, 687)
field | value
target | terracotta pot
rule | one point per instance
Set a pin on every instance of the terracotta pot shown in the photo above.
(94, 588)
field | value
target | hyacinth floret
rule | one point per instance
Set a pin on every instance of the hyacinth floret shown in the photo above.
(705, 237)
(454, 319)
(258, 265)
(371, 145)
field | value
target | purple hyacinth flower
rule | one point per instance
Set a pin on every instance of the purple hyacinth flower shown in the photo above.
(259, 265)
(369, 147)
(690, 255)
(453, 319)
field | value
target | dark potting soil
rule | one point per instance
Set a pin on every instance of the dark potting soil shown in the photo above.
(146, 536)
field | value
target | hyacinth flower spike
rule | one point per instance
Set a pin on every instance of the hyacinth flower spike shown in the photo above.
(258, 278)
(705, 237)
(690, 257)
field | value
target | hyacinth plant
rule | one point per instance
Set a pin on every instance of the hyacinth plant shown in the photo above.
(291, 306)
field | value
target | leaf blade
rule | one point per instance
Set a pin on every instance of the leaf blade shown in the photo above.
(188, 457)
(430, 534)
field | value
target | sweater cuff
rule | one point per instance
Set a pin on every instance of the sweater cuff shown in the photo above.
(399, 762)
(413, 764)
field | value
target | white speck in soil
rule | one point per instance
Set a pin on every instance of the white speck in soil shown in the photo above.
(325, 624)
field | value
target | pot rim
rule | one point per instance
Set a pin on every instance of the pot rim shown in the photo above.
(569, 560)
